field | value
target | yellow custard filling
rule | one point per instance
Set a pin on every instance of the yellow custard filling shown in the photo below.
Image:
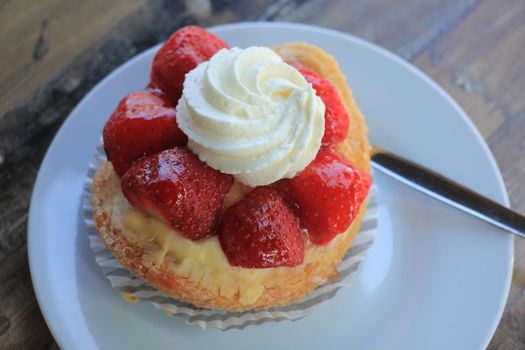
(202, 261)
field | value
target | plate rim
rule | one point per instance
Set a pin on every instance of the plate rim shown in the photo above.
(46, 308)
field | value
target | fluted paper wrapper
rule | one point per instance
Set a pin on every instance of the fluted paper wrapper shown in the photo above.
(134, 289)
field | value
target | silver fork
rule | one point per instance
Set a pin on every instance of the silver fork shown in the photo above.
(448, 191)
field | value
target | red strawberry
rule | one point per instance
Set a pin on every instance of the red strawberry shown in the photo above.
(177, 187)
(328, 195)
(183, 51)
(261, 231)
(336, 117)
(142, 124)
(155, 90)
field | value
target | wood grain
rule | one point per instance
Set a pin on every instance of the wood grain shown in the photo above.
(39, 38)
(53, 51)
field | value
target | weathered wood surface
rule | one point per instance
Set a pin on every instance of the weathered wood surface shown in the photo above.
(52, 52)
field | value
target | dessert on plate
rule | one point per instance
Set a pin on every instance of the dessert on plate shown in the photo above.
(237, 179)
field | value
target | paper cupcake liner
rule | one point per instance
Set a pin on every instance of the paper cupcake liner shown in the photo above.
(134, 289)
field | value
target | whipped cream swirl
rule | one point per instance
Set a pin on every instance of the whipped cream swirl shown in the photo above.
(249, 114)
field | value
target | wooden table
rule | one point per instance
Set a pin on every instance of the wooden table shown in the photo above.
(53, 51)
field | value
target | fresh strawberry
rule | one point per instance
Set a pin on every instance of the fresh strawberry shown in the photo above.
(142, 124)
(184, 50)
(336, 118)
(174, 185)
(328, 194)
(261, 231)
(155, 90)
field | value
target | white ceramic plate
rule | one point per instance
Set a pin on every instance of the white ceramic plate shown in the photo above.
(435, 278)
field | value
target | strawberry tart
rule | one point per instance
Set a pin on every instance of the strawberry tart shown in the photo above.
(237, 179)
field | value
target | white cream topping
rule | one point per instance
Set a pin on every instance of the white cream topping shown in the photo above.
(249, 114)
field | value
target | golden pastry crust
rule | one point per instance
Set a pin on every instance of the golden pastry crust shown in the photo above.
(151, 261)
